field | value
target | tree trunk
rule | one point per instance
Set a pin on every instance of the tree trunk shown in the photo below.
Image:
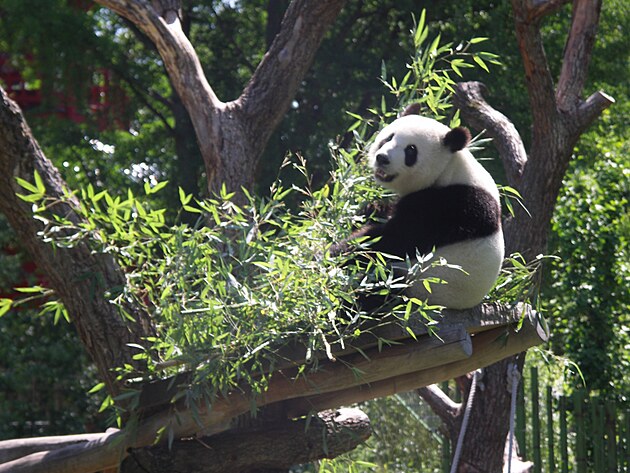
(559, 116)
(85, 281)
(488, 424)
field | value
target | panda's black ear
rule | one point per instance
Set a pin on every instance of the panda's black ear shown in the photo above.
(457, 139)
(411, 109)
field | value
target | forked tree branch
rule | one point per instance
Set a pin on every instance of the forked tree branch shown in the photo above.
(476, 111)
(232, 136)
(183, 67)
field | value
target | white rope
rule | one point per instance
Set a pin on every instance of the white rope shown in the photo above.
(513, 379)
(462, 430)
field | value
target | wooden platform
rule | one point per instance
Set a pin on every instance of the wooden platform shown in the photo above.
(465, 341)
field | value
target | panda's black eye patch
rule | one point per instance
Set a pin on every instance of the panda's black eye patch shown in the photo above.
(411, 155)
(385, 140)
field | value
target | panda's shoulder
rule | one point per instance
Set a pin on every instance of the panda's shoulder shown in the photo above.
(444, 201)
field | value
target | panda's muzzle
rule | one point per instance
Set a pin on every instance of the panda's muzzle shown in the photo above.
(382, 176)
(381, 162)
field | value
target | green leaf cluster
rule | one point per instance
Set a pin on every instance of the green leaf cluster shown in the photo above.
(431, 74)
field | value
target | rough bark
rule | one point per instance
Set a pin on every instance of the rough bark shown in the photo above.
(81, 279)
(559, 116)
(276, 447)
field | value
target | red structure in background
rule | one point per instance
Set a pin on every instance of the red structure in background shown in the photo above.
(106, 102)
(103, 102)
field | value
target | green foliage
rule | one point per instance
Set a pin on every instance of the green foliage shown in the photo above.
(591, 231)
(44, 375)
(432, 73)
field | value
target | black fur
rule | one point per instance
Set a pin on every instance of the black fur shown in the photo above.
(435, 217)
(424, 220)
(431, 218)
(457, 139)
(411, 155)
(411, 109)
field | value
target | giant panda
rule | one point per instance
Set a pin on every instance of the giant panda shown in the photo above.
(448, 205)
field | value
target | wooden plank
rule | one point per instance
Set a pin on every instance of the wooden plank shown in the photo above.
(488, 347)
(355, 369)
(480, 318)
(16, 448)
(374, 373)
(537, 457)
(551, 461)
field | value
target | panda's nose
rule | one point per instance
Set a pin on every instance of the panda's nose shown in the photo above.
(382, 159)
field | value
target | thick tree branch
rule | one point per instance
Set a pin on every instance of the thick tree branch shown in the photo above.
(80, 277)
(276, 447)
(557, 119)
(538, 77)
(591, 108)
(476, 111)
(577, 53)
(17, 448)
(539, 8)
(268, 94)
(184, 69)
(440, 403)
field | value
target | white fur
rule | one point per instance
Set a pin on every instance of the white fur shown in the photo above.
(480, 261)
(438, 166)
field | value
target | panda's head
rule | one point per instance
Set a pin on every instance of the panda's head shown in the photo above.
(411, 153)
